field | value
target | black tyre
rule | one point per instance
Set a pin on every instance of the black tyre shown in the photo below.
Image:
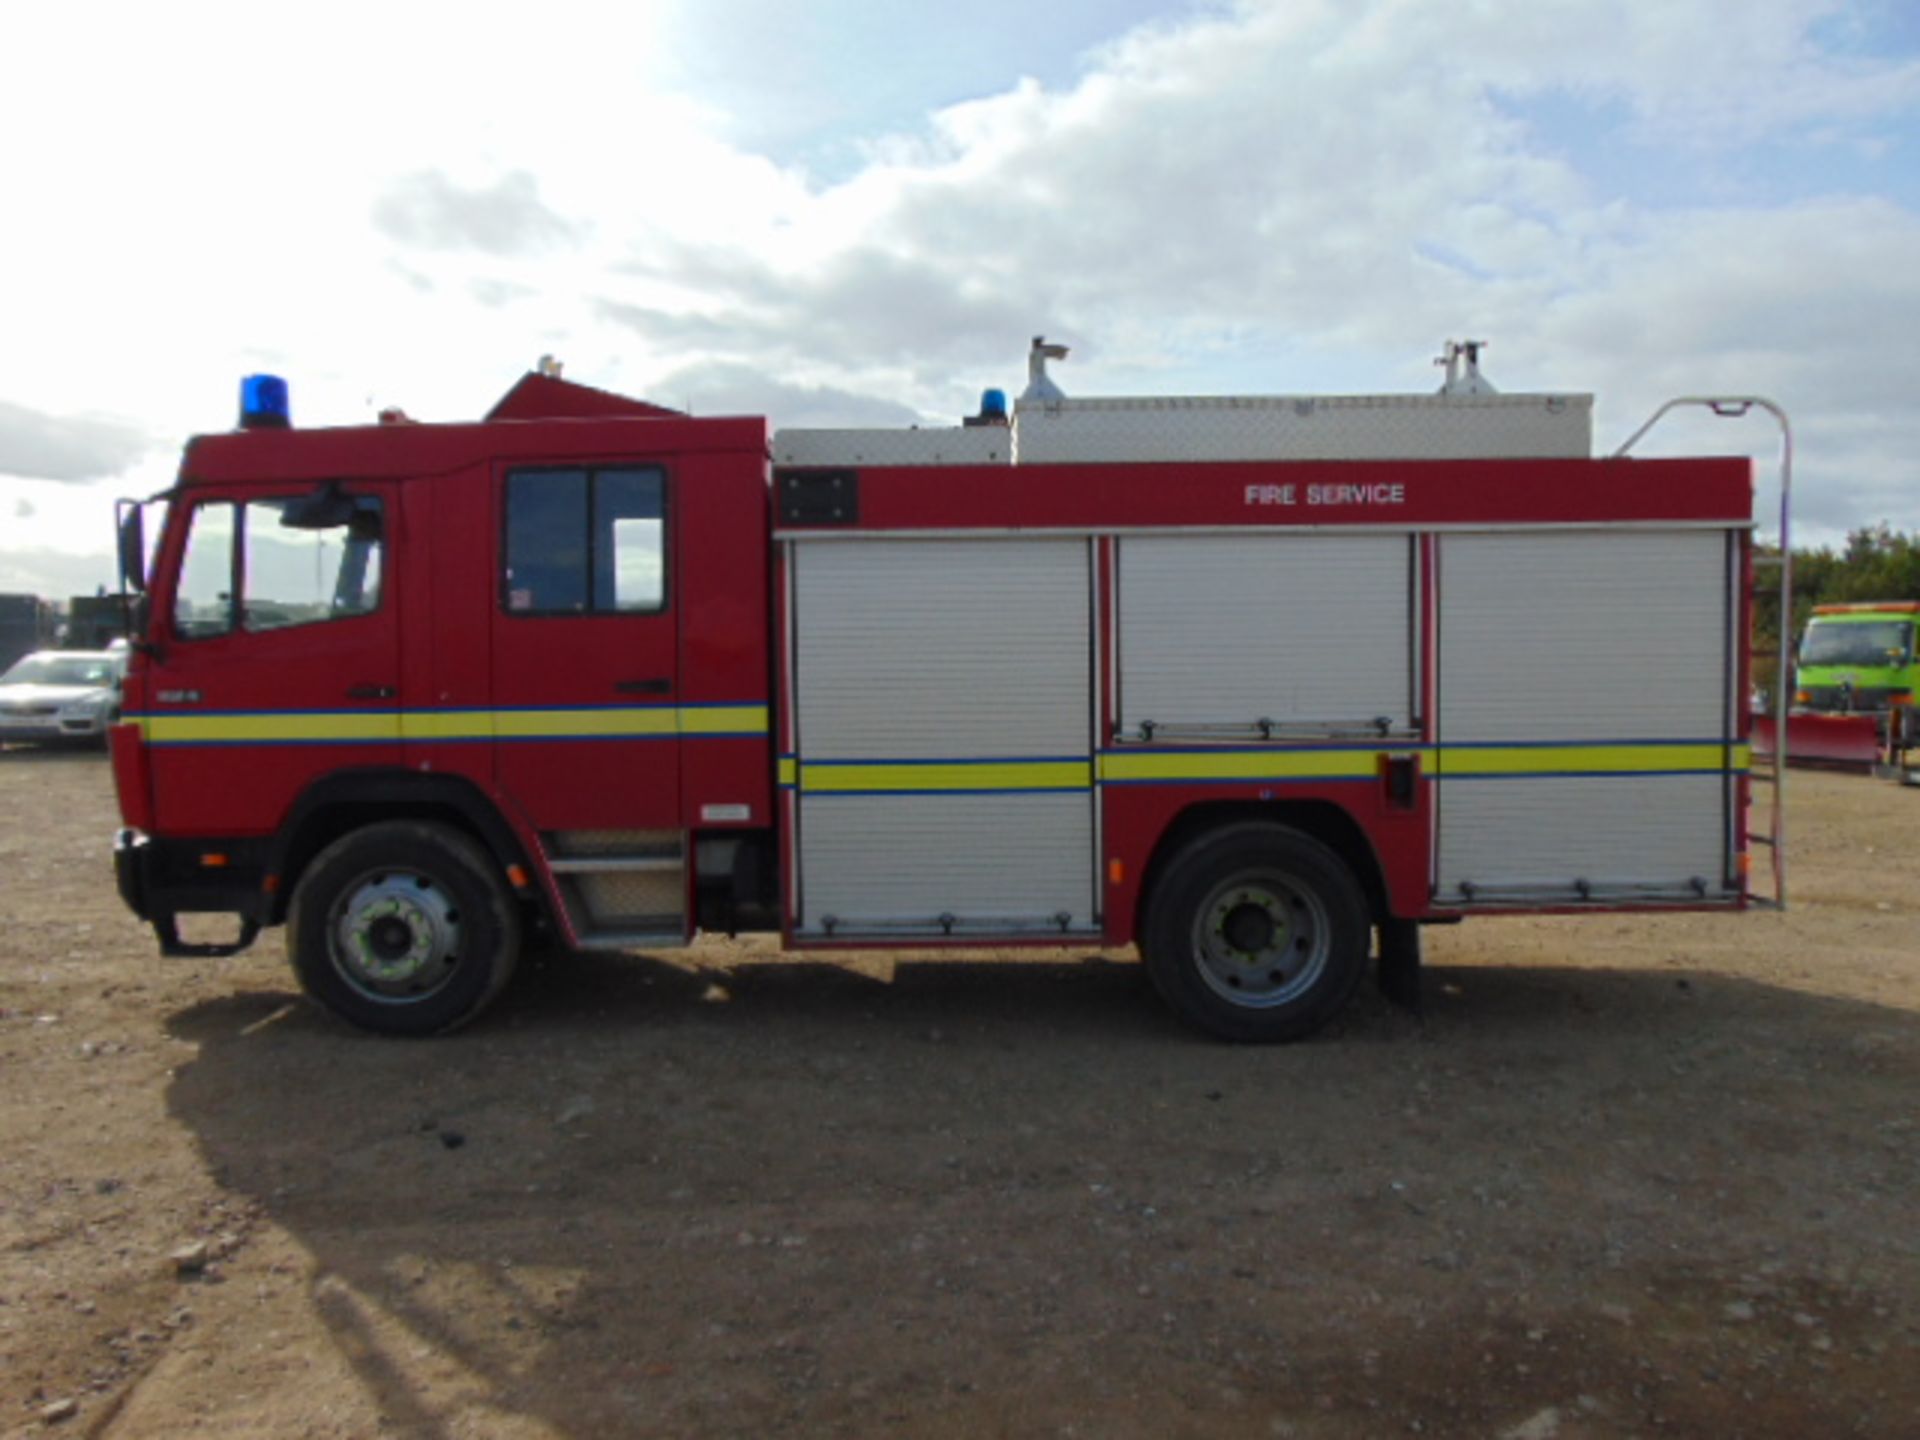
(404, 927)
(1256, 932)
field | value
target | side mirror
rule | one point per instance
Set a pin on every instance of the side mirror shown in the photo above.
(130, 522)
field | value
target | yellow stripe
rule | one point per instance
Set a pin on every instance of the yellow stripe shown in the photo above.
(264, 729)
(446, 724)
(1241, 765)
(184, 727)
(723, 720)
(1590, 759)
(578, 724)
(816, 779)
(789, 769)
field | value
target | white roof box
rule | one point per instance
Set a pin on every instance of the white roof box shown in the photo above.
(1304, 427)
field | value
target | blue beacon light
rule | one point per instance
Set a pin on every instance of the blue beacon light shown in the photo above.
(264, 404)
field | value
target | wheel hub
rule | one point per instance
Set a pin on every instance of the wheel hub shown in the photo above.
(1249, 928)
(390, 937)
(1261, 939)
(396, 935)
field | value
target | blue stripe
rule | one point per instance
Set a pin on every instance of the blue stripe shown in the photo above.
(173, 711)
(451, 740)
(1263, 781)
(970, 790)
(1578, 774)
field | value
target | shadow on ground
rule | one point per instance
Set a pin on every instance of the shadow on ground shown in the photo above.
(1015, 1197)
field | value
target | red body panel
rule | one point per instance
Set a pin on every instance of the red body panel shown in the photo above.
(725, 630)
(336, 668)
(1407, 494)
(1137, 816)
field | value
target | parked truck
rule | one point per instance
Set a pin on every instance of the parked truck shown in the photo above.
(1242, 682)
(1855, 678)
(95, 621)
(26, 625)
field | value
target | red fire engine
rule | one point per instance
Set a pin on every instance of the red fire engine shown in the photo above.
(1243, 682)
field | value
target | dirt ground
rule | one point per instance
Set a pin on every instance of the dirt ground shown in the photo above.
(1628, 1176)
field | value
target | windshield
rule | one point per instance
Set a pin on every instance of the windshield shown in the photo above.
(63, 670)
(1860, 642)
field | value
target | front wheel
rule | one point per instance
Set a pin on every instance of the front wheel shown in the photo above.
(404, 927)
(1256, 932)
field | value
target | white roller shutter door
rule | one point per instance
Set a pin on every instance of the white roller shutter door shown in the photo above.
(1609, 645)
(966, 662)
(1228, 630)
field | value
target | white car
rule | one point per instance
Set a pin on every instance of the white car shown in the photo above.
(61, 695)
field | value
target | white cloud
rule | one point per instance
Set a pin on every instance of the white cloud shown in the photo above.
(1272, 196)
(39, 446)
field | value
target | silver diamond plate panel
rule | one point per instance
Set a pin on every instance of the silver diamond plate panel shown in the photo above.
(944, 445)
(1337, 427)
(617, 896)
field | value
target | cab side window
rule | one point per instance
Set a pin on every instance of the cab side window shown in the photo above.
(203, 600)
(585, 542)
(288, 573)
(304, 574)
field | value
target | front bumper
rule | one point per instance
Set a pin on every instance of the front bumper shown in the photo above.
(163, 879)
(38, 729)
(1838, 700)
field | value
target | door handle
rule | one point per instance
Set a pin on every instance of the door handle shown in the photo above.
(371, 692)
(653, 685)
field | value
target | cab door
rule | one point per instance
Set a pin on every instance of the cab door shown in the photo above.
(279, 661)
(585, 664)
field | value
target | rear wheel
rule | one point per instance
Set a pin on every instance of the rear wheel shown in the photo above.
(1256, 932)
(404, 927)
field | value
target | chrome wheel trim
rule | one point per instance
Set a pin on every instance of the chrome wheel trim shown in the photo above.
(396, 936)
(1261, 939)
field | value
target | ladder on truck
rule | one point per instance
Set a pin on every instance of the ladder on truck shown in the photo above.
(1769, 774)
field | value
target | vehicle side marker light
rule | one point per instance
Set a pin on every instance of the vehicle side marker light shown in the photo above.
(517, 877)
(1116, 872)
(270, 885)
(213, 860)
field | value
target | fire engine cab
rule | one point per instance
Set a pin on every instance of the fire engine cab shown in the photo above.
(1244, 682)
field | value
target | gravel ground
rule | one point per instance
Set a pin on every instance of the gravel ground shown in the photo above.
(1628, 1176)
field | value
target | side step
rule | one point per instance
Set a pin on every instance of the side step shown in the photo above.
(623, 889)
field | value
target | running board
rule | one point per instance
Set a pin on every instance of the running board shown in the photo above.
(622, 889)
(632, 940)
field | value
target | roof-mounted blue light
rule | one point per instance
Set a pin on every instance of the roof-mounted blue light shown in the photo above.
(264, 404)
(993, 404)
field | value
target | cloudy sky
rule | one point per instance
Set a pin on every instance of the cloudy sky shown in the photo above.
(848, 212)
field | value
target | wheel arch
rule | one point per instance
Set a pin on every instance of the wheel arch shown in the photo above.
(1323, 820)
(348, 801)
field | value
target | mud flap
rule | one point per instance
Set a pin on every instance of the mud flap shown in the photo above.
(1399, 963)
